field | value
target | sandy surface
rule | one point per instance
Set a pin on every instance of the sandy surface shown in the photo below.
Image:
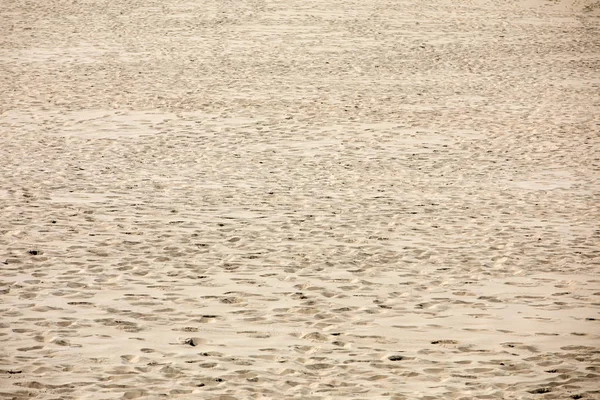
(299, 199)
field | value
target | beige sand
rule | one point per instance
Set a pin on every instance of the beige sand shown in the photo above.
(299, 199)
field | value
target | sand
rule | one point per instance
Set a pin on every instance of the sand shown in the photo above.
(299, 199)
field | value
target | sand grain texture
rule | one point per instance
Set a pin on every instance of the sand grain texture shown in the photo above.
(302, 199)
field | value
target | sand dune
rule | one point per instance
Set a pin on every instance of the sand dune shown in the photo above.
(301, 199)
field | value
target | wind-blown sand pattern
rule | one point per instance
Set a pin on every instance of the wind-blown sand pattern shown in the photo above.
(299, 199)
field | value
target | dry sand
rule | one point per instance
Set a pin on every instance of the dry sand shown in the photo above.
(299, 199)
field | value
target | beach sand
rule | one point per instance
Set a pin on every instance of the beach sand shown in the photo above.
(299, 199)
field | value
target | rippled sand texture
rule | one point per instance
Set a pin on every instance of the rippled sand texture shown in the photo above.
(299, 199)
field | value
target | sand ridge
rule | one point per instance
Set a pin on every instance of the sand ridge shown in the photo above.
(255, 199)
